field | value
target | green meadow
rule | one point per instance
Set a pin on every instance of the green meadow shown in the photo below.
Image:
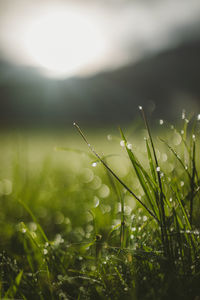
(107, 213)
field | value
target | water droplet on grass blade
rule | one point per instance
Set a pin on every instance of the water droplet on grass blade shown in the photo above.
(96, 201)
(122, 143)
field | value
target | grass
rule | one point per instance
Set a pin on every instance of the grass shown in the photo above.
(76, 224)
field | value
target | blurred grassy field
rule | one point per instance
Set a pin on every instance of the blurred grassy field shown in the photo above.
(57, 201)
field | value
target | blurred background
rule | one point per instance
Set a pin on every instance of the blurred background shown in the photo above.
(95, 61)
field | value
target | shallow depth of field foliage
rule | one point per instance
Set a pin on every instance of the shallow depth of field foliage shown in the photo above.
(119, 219)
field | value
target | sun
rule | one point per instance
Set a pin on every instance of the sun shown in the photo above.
(64, 43)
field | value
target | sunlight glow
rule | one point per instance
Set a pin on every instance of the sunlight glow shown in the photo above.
(64, 43)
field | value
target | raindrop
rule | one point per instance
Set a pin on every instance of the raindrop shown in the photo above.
(109, 137)
(94, 164)
(198, 117)
(140, 107)
(129, 146)
(182, 183)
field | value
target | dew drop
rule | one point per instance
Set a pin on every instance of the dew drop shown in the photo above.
(122, 143)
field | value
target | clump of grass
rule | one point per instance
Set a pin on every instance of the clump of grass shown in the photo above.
(107, 250)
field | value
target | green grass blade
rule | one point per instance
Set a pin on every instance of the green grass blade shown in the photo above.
(14, 287)
(116, 177)
(34, 219)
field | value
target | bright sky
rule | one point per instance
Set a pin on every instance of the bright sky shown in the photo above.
(65, 38)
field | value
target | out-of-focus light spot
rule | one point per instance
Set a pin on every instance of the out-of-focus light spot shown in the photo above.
(158, 154)
(104, 191)
(145, 218)
(63, 42)
(198, 117)
(176, 139)
(109, 137)
(45, 251)
(87, 175)
(58, 239)
(164, 157)
(96, 183)
(5, 187)
(89, 228)
(94, 164)
(59, 218)
(130, 201)
(105, 208)
(161, 122)
(183, 114)
(32, 226)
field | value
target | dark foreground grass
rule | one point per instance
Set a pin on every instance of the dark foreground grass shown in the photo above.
(83, 228)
